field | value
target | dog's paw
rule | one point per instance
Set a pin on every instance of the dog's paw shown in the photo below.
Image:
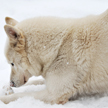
(7, 90)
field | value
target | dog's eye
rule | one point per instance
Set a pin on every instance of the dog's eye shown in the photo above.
(12, 64)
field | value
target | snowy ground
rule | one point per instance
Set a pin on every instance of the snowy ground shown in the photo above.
(22, 9)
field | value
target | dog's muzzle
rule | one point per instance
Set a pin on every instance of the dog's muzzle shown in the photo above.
(12, 84)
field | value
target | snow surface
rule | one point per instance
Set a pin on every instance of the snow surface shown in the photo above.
(22, 9)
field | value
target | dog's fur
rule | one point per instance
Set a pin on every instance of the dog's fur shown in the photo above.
(71, 55)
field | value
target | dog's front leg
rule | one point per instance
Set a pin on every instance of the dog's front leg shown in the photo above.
(35, 82)
(43, 95)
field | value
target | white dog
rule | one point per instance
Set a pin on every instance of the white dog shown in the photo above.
(71, 55)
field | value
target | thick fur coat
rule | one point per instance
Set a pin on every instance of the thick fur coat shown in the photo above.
(70, 54)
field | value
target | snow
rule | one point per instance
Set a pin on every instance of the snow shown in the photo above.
(22, 9)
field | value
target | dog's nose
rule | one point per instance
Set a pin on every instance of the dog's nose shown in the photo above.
(12, 84)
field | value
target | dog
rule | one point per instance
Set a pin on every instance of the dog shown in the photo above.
(70, 54)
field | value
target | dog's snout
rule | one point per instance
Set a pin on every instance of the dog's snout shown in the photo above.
(12, 84)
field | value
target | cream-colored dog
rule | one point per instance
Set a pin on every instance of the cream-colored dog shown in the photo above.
(71, 55)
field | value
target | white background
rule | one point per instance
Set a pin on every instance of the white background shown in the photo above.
(22, 9)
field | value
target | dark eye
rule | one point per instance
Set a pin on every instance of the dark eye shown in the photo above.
(12, 64)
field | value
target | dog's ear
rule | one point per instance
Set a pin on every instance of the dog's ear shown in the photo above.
(15, 36)
(11, 21)
(12, 32)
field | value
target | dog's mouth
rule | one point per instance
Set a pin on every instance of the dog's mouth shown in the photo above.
(25, 80)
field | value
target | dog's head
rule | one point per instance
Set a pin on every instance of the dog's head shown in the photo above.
(15, 53)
